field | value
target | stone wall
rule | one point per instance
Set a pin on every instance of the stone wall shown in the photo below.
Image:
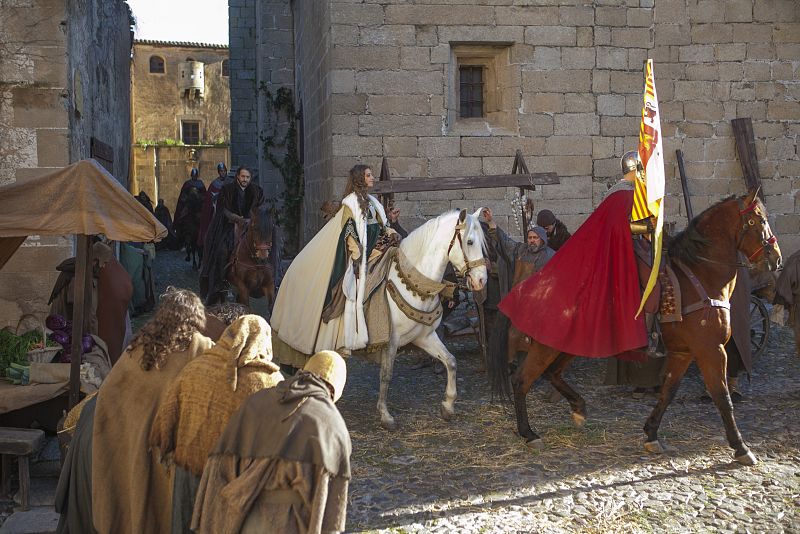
(568, 94)
(98, 58)
(243, 43)
(43, 43)
(312, 38)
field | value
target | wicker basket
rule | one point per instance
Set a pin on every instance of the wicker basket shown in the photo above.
(44, 355)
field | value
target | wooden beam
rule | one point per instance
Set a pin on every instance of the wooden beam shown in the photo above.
(408, 185)
(82, 305)
(746, 150)
(103, 153)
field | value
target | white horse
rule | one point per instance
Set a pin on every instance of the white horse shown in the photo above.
(453, 237)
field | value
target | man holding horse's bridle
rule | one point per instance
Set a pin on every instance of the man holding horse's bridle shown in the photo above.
(234, 204)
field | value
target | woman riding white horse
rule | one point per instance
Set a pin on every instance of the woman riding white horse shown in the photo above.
(321, 302)
(322, 299)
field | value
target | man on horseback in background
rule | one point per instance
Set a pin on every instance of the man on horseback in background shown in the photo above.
(234, 204)
(210, 201)
(194, 182)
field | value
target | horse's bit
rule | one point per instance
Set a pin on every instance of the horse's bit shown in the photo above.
(468, 265)
(749, 224)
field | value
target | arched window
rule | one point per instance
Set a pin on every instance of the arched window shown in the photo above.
(225, 68)
(156, 65)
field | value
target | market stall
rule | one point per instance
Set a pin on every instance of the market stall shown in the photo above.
(82, 199)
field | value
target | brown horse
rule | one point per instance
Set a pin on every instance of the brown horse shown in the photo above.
(704, 257)
(255, 257)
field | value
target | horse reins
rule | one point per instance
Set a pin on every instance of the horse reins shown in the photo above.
(468, 264)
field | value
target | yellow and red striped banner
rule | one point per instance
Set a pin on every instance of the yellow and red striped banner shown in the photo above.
(649, 191)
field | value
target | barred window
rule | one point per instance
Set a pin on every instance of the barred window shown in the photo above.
(190, 132)
(470, 87)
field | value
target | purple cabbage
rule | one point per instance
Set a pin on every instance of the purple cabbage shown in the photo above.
(55, 322)
(61, 338)
(87, 343)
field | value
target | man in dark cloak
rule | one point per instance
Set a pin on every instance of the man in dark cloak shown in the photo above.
(234, 204)
(557, 233)
(181, 208)
(210, 202)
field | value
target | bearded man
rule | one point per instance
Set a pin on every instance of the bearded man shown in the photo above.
(234, 204)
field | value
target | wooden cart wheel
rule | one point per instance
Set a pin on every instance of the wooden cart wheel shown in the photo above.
(759, 327)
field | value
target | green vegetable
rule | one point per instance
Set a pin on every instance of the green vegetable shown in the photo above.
(14, 348)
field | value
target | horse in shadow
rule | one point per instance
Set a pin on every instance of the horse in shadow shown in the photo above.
(187, 225)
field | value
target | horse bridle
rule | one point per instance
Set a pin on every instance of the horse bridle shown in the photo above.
(468, 264)
(253, 250)
(748, 223)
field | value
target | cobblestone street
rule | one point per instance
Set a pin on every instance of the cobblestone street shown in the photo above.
(473, 474)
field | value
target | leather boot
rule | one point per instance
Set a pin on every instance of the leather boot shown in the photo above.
(654, 350)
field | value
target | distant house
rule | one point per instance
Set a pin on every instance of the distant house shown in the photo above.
(453, 88)
(65, 92)
(181, 115)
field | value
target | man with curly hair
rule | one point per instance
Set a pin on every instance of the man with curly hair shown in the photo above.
(131, 490)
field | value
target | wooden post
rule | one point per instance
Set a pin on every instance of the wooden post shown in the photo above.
(387, 198)
(80, 310)
(520, 167)
(687, 200)
(746, 150)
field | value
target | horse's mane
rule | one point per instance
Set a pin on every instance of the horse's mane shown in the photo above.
(687, 245)
(264, 220)
(417, 239)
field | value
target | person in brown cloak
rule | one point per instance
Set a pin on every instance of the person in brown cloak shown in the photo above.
(114, 293)
(282, 465)
(131, 490)
(199, 404)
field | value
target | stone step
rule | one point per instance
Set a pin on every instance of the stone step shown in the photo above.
(42, 492)
(37, 520)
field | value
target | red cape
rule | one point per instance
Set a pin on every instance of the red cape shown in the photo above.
(584, 300)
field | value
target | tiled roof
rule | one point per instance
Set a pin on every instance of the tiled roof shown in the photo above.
(185, 44)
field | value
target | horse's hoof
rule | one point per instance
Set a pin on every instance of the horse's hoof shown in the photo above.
(654, 447)
(578, 419)
(446, 413)
(747, 459)
(389, 424)
(535, 444)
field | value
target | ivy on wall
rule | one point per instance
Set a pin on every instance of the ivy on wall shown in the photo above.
(281, 150)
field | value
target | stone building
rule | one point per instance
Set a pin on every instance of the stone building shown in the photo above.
(181, 103)
(451, 88)
(64, 96)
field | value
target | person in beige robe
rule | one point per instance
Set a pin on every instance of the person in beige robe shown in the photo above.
(199, 404)
(282, 465)
(131, 490)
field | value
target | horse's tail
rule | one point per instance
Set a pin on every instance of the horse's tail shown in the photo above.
(498, 358)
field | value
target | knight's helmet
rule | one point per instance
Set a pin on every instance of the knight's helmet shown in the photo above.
(221, 166)
(630, 162)
(195, 174)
